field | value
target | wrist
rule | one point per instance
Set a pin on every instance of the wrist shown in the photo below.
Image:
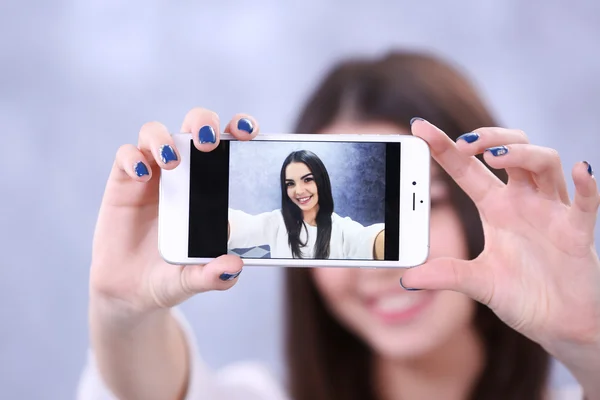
(582, 359)
(112, 312)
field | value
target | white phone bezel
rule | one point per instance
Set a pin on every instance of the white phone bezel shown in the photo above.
(415, 164)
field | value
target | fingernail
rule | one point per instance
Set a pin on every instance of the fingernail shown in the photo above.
(207, 134)
(167, 154)
(405, 288)
(468, 137)
(412, 121)
(225, 276)
(140, 169)
(498, 151)
(245, 124)
(589, 169)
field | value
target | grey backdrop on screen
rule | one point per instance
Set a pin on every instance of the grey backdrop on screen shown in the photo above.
(255, 167)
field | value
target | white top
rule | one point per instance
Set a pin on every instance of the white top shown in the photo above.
(240, 381)
(349, 239)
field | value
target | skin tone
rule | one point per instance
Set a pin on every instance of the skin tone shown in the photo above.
(539, 272)
(302, 190)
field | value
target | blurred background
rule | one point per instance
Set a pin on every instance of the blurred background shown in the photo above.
(79, 78)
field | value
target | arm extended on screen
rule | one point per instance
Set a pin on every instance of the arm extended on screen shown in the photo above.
(379, 246)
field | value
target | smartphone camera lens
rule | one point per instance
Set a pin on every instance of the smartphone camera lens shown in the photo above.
(414, 183)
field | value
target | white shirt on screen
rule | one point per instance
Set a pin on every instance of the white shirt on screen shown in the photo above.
(349, 239)
(239, 381)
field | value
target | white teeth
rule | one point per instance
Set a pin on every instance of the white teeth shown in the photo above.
(304, 199)
(396, 303)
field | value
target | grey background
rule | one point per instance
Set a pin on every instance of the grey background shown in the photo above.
(255, 185)
(79, 78)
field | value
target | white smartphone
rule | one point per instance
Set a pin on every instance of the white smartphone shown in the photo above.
(308, 200)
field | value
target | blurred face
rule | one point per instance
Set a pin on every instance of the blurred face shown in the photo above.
(301, 186)
(396, 323)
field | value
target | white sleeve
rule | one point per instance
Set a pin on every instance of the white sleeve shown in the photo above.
(358, 240)
(240, 381)
(247, 230)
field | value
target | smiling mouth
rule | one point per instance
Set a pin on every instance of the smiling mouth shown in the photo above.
(303, 200)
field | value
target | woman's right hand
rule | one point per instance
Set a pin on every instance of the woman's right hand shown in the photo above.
(128, 275)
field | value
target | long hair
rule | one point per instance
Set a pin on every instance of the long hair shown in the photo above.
(328, 362)
(292, 214)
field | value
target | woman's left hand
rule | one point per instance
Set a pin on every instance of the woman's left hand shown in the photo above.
(539, 270)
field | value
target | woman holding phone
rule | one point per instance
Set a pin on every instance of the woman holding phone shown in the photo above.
(306, 225)
(513, 277)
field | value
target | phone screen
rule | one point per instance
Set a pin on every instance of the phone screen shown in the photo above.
(287, 199)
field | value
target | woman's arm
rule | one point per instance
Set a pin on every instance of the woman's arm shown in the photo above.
(139, 357)
(246, 230)
(379, 246)
(360, 242)
(583, 361)
(539, 271)
(139, 348)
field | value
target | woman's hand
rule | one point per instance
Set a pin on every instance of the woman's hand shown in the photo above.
(127, 272)
(139, 347)
(539, 270)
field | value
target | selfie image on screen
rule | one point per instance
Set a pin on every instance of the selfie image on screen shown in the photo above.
(306, 200)
(303, 200)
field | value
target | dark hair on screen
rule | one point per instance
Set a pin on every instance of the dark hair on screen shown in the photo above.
(292, 214)
(328, 362)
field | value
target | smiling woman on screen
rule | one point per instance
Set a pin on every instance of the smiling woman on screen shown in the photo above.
(306, 225)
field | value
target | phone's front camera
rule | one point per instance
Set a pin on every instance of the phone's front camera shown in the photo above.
(414, 183)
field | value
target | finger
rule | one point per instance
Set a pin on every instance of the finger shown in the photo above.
(243, 127)
(467, 171)
(468, 277)
(156, 143)
(132, 163)
(203, 124)
(220, 274)
(479, 140)
(584, 212)
(476, 142)
(542, 163)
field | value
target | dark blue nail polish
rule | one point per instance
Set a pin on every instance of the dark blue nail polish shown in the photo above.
(498, 151)
(589, 169)
(207, 134)
(405, 288)
(140, 169)
(416, 119)
(225, 276)
(245, 124)
(167, 154)
(468, 137)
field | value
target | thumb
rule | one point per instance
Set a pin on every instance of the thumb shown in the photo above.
(468, 277)
(220, 274)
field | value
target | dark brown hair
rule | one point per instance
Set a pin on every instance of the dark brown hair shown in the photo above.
(325, 360)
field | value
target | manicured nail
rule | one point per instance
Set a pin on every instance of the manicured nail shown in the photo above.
(590, 170)
(406, 288)
(207, 134)
(140, 169)
(225, 276)
(167, 154)
(416, 119)
(498, 151)
(468, 137)
(245, 124)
